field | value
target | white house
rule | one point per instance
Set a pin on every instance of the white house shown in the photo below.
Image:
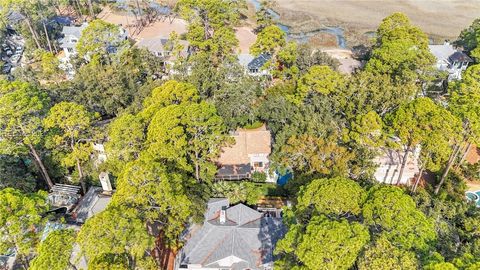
(71, 35)
(450, 60)
(249, 154)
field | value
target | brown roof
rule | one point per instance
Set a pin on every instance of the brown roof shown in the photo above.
(247, 142)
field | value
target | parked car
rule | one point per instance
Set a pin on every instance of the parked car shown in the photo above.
(15, 58)
(6, 68)
(19, 49)
(9, 52)
(5, 47)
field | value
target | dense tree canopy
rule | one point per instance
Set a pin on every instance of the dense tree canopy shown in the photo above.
(401, 50)
(21, 215)
(55, 251)
(22, 107)
(164, 121)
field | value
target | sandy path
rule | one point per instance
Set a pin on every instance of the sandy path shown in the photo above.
(436, 17)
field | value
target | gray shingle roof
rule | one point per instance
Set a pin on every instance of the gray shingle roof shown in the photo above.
(259, 61)
(247, 239)
(459, 57)
(75, 31)
(92, 203)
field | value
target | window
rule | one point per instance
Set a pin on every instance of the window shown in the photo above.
(258, 164)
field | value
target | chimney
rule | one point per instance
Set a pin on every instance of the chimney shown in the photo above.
(105, 181)
(223, 215)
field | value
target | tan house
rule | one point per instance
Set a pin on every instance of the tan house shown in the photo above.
(247, 155)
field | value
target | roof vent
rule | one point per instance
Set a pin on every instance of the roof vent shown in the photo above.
(223, 215)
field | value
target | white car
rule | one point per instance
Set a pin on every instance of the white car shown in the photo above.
(15, 58)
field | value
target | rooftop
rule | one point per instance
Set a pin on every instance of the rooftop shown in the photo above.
(447, 53)
(259, 61)
(92, 203)
(247, 142)
(244, 241)
(459, 57)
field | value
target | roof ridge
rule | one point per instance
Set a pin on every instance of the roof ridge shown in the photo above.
(214, 248)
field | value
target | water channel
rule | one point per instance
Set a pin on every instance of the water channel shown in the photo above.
(305, 36)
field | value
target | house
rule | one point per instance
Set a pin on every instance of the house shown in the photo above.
(389, 163)
(450, 60)
(95, 200)
(247, 155)
(71, 35)
(254, 65)
(160, 47)
(231, 237)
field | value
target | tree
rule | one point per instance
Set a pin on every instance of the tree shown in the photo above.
(170, 93)
(401, 50)
(98, 39)
(234, 192)
(111, 89)
(212, 41)
(464, 104)
(469, 39)
(126, 138)
(313, 154)
(20, 217)
(331, 196)
(383, 255)
(263, 16)
(367, 130)
(437, 147)
(188, 134)
(49, 66)
(22, 107)
(55, 251)
(286, 62)
(270, 40)
(235, 102)
(113, 235)
(16, 172)
(318, 79)
(367, 91)
(309, 57)
(210, 30)
(159, 196)
(69, 123)
(388, 209)
(325, 244)
(31, 11)
(415, 122)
